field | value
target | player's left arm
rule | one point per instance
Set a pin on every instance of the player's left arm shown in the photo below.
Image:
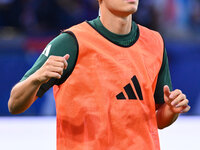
(175, 103)
(169, 103)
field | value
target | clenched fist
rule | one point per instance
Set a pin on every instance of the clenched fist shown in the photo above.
(176, 100)
(52, 68)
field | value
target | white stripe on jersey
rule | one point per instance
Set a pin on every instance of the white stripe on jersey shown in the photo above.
(47, 50)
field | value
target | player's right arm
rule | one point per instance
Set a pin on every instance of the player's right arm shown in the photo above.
(24, 93)
(48, 70)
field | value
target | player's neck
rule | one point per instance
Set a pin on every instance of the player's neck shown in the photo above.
(116, 24)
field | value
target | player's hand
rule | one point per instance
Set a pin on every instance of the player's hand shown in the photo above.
(176, 100)
(52, 68)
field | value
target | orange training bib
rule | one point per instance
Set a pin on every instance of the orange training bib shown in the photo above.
(108, 101)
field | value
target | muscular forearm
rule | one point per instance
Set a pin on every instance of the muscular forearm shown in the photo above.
(165, 116)
(23, 95)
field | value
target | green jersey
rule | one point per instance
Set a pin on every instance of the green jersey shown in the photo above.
(66, 43)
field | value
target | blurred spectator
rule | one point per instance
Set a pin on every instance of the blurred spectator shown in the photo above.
(70, 12)
(147, 15)
(43, 16)
(46, 13)
(195, 16)
(48, 16)
(10, 11)
(28, 18)
(92, 9)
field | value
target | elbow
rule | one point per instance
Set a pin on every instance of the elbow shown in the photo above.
(161, 127)
(12, 109)
(13, 112)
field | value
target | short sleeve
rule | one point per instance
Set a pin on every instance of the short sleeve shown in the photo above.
(63, 44)
(164, 78)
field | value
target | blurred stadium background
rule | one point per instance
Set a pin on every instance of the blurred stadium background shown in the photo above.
(26, 26)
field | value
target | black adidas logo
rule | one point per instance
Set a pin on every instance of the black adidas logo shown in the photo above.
(129, 91)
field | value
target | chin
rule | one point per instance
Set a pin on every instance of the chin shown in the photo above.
(125, 10)
(129, 11)
(132, 9)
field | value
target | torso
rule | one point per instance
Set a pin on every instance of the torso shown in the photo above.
(89, 113)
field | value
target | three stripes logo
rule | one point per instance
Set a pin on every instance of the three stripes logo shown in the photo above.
(129, 91)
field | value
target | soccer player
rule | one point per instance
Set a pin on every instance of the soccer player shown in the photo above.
(114, 91)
